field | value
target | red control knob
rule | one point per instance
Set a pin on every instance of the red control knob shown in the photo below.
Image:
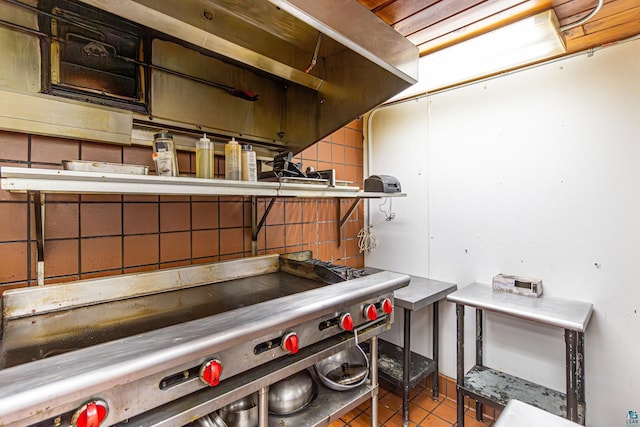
(370, 312)
(210, 372)
(91, 414)
(346, 322)
(387, 305)
(290, 342)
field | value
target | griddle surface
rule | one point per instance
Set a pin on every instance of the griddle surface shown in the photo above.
(37, 337)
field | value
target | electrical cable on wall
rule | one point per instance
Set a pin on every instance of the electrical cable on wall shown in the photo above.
(366, 238)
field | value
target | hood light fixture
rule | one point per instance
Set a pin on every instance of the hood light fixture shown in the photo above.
(524, 42)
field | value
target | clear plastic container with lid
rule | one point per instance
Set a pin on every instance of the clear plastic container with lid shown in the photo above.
(164, 154)
(204, 158)
(232, 160)
(249, 165)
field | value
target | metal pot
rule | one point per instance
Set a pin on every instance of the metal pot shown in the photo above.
(241, 413)
(211, 420)
(292, 394)
(345, 370)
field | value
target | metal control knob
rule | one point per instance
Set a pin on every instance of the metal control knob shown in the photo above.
(346, 322)
(370, 312)
(91, 414)
(210, 372)
(387, 305)
(290, 342)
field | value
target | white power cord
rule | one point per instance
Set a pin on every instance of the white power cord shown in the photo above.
(366, 238)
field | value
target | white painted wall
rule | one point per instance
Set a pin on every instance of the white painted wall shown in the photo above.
(536, 173)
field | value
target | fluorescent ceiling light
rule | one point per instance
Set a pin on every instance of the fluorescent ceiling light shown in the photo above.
(524, 42)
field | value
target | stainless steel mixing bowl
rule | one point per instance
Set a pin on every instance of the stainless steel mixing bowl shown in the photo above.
(292, 394)
(241, 413)
(211, 420)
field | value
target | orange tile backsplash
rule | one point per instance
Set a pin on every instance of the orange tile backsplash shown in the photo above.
(14, 146)
(293, 211)
(62, 258)
(231, 214)
(100, 219)
(141, 250)
(293, 234)
(204, 215)
(175, 217)
(310, 232)
(13, 225)
(205, 243)
(14, 258)
(276, 215)
(100, 253)
(232, 242)
(140, 218)
(101, 152)
(45, 149)
(97, 235)
(275, 236)
(61, 222)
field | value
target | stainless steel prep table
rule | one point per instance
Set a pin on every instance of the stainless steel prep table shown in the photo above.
(394, 360)
(487, 386)
(520, 414)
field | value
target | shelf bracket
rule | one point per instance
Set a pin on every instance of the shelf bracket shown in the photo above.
(255, 225)
(346, 216)
(39, 209)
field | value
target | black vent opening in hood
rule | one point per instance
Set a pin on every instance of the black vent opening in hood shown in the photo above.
(91, 55)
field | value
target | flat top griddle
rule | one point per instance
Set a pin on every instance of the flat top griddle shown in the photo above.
(122, 337)
(54, 333)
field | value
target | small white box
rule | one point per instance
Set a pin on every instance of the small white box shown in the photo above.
(518, 285)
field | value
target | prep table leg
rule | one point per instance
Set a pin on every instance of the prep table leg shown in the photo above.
(436, 328)
(460, 363)
(406, 367)
(38, 211)
(478, 355)
(571, 342)
(582, 416)
(374, 381)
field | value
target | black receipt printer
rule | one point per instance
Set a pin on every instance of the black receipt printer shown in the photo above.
(382, 184)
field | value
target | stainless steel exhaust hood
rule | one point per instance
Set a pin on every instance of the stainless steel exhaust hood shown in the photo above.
(280, 73)
(313, 66)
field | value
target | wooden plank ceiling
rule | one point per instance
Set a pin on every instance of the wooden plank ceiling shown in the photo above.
(435, 24)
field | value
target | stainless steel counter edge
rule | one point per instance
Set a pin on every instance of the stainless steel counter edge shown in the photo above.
(554, 311)
(422, 292)
(72, 376)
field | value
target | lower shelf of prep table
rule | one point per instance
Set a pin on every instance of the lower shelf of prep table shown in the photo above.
(496, 388)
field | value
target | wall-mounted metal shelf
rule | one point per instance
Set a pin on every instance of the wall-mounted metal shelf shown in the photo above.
(42, 181)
